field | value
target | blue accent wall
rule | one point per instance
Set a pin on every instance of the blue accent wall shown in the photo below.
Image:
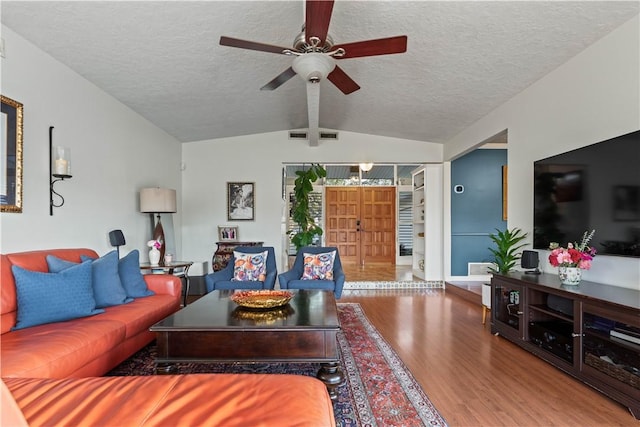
(476, 212)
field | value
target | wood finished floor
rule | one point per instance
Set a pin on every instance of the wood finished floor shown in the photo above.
(473, 377)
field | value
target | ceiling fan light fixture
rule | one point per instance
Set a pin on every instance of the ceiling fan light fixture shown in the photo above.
(313, 67)
(366, 167)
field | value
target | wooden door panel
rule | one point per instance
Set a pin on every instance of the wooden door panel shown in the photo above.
(342, 208)
(375, 208)
(378, 224)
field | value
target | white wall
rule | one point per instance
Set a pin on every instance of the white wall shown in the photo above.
(209, 165)
(114, 153)
(592, 97)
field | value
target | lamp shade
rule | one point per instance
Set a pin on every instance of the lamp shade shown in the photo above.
(157, 200)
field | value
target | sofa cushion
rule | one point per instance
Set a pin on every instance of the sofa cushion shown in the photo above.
(318, 266)
(250, 267)
(53, 297)
(58, 350)
(142, 314)
(131, 277)
(233, 400)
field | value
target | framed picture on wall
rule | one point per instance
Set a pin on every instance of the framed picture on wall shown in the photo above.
(240, 201)
(11, 156)
(227, 233)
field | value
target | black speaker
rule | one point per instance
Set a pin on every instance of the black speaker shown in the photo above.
(116, 238)
(529, 259)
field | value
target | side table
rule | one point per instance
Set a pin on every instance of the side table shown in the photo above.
(170, 268)
(223, 254)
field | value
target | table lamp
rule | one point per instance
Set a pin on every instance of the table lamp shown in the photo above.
(157, 201)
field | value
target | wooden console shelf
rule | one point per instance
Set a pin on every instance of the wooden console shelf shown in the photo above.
(590, 331)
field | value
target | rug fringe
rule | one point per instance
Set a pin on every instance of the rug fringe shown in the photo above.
(403, 284)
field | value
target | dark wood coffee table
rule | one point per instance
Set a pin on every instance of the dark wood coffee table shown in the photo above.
(215, 329)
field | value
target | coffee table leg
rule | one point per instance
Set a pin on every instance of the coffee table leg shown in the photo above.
(332, 376)
(166, 369)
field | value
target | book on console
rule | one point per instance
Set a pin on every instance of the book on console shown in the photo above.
(624, 336)
(627, 329)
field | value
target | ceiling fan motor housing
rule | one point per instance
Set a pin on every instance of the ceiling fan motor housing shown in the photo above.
(313, 67)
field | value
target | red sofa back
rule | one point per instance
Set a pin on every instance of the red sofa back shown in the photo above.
(32, 260)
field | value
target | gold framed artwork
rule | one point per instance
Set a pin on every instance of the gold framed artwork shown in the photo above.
(11, 156)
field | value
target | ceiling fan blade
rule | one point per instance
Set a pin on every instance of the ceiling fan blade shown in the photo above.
(375, 47)
(279, 80)
(318, 16)
(245, 44)
(342, 81)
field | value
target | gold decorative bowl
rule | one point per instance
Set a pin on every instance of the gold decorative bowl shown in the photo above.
(266, 299)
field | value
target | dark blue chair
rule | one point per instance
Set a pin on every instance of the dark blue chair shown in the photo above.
(222, 279)
(292, 278)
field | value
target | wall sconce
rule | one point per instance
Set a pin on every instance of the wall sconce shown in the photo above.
(366, 167)
(157, 201)
(59, 168)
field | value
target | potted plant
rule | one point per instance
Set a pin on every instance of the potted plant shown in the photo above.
(300, 213)
(505, 253)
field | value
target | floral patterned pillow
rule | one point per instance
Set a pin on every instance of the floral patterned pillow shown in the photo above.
(318, 266)
(250, 267)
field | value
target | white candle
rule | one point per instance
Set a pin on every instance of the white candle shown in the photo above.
(60, 167)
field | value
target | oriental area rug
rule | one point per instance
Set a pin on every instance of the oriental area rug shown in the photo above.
(379, 389)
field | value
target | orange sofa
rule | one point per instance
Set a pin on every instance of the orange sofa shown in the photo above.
(51, 373)
(225, 400)
(89, 346)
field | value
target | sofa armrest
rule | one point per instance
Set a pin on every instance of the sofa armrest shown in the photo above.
(166, 284)
(270, 280)
(339, 278)
(219, 276)
(287, 276)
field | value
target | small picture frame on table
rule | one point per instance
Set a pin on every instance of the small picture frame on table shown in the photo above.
(227, 233)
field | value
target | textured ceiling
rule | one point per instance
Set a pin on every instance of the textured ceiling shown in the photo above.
(163, 59)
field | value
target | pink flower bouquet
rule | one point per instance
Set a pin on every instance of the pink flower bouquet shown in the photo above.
(578, 255)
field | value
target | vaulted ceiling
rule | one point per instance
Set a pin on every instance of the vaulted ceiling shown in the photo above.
(164, 60)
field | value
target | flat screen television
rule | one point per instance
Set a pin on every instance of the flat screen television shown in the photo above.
(593, 187)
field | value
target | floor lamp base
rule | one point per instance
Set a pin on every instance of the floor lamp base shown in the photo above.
(158, 234)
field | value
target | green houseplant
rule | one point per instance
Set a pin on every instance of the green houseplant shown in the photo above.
(505, 253)
(301, 215)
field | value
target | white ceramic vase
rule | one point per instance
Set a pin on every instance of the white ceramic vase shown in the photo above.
(154, 256)
(570, 275)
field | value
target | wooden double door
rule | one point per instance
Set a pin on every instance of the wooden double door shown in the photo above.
(361, 223)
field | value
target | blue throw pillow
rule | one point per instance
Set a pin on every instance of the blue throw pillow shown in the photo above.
(131, 277)
(107, 289)
(107, 286)
(56, 265)
(53, 297)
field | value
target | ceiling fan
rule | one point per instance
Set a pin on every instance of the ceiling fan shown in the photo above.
(316, 55)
